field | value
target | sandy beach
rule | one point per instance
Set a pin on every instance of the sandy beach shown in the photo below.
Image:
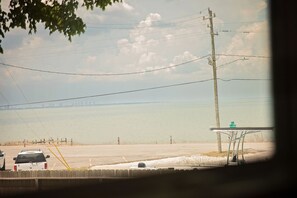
(128, 156)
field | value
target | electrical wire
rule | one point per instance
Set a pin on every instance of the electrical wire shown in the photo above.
(236, 31)
(228, 63)
(103, 74)
(127, 91)
(26, 99)
(157, 24)
(77, 50)
(237, 22)
(244, 79)
(135, 25)
(182, 20)
(240, 55)
(106, 94)
(38, 119)
(21, 118)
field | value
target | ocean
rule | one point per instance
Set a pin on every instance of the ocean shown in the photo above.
(151, 123)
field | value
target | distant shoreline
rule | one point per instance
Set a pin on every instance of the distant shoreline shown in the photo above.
(21, 143)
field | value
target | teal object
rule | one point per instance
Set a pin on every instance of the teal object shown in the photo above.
(232, 125)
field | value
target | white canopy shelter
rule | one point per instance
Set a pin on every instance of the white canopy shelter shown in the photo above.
(236, 136)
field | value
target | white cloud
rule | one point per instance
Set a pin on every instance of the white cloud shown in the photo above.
(186, 56)
(152, 17)
(123, 6)
(140, 39)
(122, 42)
(249, 43)
(128, 7)
(152, 42)
(253, 9)
(138, 43)
(112, 14)
(91, 18)
(145, 26)
(32, 42)
(185, 69)
(169, 36)
(147, 53)
(146, 58)
(253, 43)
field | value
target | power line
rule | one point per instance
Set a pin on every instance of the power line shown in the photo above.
(103, 74)
(159, 22)
(126, 92)
(20, 117)
(16, 84)
(24, 96)
(240, 55)
(244, 79)
(107, 94)
(76, 48)
(237, 22)
(228, 63)
(237, 31)
(121, 27)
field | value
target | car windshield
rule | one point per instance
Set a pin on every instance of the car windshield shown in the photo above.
(32, 157)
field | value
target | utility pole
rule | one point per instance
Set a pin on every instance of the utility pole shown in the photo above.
(212, 62)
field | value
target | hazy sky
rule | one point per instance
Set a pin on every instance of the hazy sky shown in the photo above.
(138, 36)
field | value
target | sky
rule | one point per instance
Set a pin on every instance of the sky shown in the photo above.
(138, 36)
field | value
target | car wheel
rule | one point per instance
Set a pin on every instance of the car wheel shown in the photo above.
(141, 165)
